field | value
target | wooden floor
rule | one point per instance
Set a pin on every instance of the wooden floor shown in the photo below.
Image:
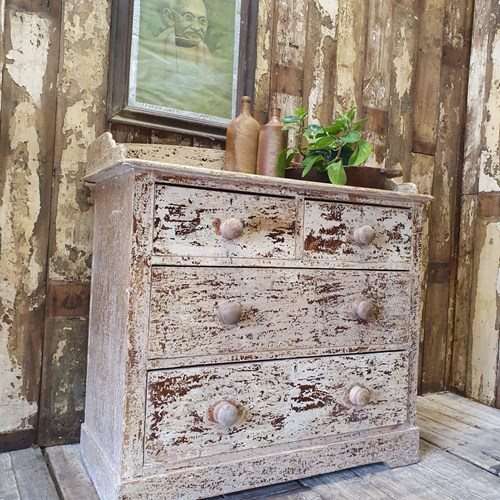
(460, 459)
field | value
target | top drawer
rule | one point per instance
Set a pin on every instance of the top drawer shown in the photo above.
(357, 236)
(203, 223)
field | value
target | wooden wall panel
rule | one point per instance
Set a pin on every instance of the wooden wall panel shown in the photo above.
(79, 119)
(475, 361)
(28, 98)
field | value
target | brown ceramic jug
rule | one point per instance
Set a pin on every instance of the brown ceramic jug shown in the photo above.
(271, 143)
(242, 140)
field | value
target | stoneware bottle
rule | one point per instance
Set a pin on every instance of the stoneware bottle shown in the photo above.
(271, 142)
(242, 140)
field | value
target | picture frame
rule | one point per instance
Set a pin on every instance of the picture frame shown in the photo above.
(181, 65)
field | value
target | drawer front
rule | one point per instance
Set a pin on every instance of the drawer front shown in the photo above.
(204, 411)
(203, 223)
(358, 236)
(278, 310)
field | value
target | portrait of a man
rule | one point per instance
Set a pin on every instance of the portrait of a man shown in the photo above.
(186, 56)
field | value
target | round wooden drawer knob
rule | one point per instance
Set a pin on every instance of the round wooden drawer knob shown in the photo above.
(231, 228)
(364, 235)
(359, 396)
(230, 313)
(363, 309)
(225, 414)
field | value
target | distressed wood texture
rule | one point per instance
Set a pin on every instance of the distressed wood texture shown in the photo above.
(475, 363)
(29, 54)
(279, 402)
(329, 236)
(150, 423)
(284, 313)
(188, 222)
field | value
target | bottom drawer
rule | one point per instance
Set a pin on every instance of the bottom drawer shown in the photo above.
(204, 411)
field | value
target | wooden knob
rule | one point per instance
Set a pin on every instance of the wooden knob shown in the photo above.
(359, 396)
(364, 235)
(230, 313)
(225, 414)
(363, 309)
(231, 228)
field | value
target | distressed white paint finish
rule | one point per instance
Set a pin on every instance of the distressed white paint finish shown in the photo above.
(188, 223)
(20, 205)
(26, 62)
(329, 235)
(484, 323)
(285, 311)
(489, 175)
(278, 402)
(295, 419)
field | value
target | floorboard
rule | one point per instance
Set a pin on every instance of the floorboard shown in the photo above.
(459, 460)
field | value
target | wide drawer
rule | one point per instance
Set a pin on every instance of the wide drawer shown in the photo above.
(203, 223)
(205, 411)
(244, 313)
(357, 236)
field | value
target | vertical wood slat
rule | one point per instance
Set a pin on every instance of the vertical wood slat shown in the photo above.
(30, 51)
(350, 61)
(320, 59)
(377, 77)
(427, 86)
(405, 37)
(440, 303)
(79, 118)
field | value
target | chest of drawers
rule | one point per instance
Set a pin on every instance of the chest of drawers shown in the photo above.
(245, 330)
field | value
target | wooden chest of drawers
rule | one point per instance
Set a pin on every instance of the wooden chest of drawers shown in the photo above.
(245, 330)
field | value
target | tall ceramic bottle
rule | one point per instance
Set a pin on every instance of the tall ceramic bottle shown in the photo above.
(242, 140)
(271, 142)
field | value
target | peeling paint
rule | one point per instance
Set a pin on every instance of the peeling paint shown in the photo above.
(19, 271)
(489, 175)
(27, 61)
(403, 69)
(484, 328)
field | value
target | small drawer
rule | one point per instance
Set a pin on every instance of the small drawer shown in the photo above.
(205, 411)
(203, 223)
(206, 313)
(357, 236)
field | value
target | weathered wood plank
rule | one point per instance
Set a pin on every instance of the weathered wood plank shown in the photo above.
(80, 117)
(8, 483)
(438, 475)
(70, 477)
(30, 50)
(291, 489)
(32, 476)
(404, 43)
(377, 77)
(478, 448)
(428, 73)
(305, 394)
(350, 60)
(465, 406)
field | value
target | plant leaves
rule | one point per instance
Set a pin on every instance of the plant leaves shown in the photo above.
(351, 114)
(322, 143)
(290, 119)
(361, 154)
(336, 173)
(290, 126)
(351, 137)
(300, 112)
(282, 162)
(308, 163)
(358, 124)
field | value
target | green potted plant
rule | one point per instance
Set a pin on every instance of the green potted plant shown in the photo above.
(328, 150)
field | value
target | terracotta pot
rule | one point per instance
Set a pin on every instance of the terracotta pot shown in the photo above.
(369, 177)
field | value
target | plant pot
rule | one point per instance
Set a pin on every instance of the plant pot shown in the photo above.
(368, 177)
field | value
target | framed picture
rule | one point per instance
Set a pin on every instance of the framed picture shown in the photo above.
(181, 65)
